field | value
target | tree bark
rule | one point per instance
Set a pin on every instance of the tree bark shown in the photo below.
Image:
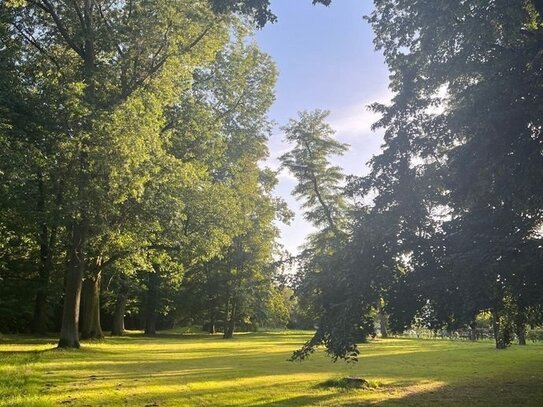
(152, 302)
(117, 328)
(212, 318)
(39, 321)
(90, 307)
(69, 332)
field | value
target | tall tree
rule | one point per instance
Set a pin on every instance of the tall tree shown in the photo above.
(343, 315)
(122, 66)
(477, 155)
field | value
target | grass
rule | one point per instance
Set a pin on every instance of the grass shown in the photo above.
(252, 370)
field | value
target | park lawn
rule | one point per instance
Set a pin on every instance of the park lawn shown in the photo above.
(252, 370)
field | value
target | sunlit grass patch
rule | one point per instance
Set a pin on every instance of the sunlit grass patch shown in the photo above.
(19, 382)
(252, 370)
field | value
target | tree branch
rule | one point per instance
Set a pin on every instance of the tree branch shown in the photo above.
(316, 189)
(48, 8)
(32, 41)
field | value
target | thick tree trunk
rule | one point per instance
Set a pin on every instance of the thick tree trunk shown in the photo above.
(90, 308)
(383, 323)
(117, 328)
(39, 320)
(152, 302)
(69, 331)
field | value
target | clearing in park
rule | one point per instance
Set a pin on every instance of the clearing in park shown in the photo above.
(252, 370)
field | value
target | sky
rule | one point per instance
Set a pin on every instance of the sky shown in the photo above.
(326, 60)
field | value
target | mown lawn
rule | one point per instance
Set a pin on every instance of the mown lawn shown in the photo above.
(252, 370)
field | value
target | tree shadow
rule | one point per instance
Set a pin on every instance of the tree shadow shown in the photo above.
(138, 370)
(485, 393)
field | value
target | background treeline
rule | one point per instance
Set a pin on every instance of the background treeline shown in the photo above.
(446, 229)
(131, 133)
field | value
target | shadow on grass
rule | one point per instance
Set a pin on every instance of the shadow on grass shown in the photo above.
(297, 401)
(196, 369)
(485, 392)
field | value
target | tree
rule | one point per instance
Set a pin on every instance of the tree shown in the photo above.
(318, 180)
(456, 199)
(239, 89)
(327, 260)
(121, 67)
(478, 164)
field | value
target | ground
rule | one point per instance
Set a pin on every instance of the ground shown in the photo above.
(252, 370)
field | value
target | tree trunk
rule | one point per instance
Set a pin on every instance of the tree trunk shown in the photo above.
(473, 331)
(152, 302)
(39, 320)
(90, 308)
(522, 336)
(382, 319)
(117, 328)
(69, 331)
(231, 324)
(500, 343)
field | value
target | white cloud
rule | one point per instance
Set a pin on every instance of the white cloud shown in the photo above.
(356, 120)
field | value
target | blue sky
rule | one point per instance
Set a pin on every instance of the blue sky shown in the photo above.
(326, 60)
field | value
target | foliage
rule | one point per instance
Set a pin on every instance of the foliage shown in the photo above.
(138, 129)
(449, 217)
(535, 335)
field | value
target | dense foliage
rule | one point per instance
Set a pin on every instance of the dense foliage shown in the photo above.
(131, 135)
(449, 220)
(131, 139)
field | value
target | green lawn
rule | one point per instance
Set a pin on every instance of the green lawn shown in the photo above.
(252, 370)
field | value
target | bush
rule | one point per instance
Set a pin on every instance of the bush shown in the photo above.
(535, 335)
